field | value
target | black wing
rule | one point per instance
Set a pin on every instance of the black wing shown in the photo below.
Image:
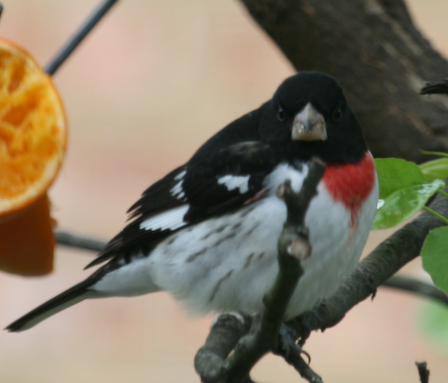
(220, 177)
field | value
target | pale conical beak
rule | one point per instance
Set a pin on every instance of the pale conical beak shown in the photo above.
(309, 125)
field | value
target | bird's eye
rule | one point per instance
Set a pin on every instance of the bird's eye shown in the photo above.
(281, 115)
(337, 115)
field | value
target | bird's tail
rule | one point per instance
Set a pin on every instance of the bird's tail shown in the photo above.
(60, 302)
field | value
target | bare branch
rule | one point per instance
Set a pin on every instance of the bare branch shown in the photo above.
(227, 329)
(78, 36)
(423, 372)
(415, 286)
(67, 239)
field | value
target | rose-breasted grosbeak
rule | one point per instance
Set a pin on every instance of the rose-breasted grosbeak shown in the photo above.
(207, 232)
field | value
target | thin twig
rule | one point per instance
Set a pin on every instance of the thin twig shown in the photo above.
(79, 35)
(423, 372)
(415, 286)
(66, 239)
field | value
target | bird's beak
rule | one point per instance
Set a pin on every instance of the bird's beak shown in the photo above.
(309, 125)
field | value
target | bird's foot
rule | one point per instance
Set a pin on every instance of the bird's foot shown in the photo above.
(307, 322)
(292, 352)
(287, 343)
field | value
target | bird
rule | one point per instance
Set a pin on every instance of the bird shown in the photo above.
(207, 232)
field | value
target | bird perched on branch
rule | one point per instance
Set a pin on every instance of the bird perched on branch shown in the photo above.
(207, 232)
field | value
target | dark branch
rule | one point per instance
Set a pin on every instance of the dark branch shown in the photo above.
(79, 35)
(417, 287)
(224, 335)
(423, 372)
(70, 240)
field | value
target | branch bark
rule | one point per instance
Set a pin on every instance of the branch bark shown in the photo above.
(71, 240)
(380, 58)
(423, 372)
(415, 286)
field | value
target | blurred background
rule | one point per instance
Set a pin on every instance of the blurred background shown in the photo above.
(152, 82)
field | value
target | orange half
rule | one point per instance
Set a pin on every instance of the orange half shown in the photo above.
(33, 135)
(33, 129)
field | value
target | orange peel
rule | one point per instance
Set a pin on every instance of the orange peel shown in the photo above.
(33, 136)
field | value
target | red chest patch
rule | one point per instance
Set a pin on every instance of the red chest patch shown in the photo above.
(351, 184)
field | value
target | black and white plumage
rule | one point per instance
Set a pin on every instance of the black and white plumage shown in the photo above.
(207, 232)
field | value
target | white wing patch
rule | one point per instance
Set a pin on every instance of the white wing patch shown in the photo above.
(172, 219)
(177, 191)
(235, 182)
(180, 175)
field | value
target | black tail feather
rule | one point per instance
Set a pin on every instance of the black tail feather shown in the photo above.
(60, 302)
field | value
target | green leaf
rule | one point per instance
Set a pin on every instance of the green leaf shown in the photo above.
(435, 257)
(395, 174)
(404, 190)
(404, 203)
(435, 169)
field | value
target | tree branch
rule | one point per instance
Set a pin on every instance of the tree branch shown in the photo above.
(417, 287)
(423, 372)
(70, 240)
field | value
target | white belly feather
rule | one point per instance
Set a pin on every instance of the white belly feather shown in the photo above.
(229, 263)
